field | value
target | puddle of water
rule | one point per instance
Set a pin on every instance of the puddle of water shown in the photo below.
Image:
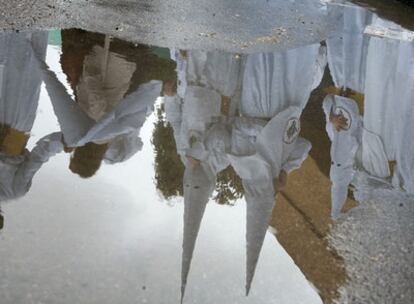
(138, 172)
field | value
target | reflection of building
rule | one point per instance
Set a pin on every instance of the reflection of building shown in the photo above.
(394, 11)
(302, 213)
(78, 44)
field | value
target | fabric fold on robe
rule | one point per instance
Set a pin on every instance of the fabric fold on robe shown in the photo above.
(347, 53)
(120, 127)
(274, 81)
(17, 172)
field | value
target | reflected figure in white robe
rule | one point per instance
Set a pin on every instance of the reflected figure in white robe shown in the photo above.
(263, 153)
(212, 84)
(389, 97)
(20, 80)
(203, 160)
(202, 148)
(265, 144)
(353, 149)
(207, 82)
(114, 93)
(114, 137)
(344, 128)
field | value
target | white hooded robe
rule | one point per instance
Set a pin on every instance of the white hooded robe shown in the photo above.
(274, 81)
(120, 127)
(389, 100)
(344, 148)
(20, 80)
(259, 151)
(199, 183)
(389, 88)
(347, 54)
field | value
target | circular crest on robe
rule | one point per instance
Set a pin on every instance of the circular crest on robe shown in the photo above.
(292, 130)
(345, 113)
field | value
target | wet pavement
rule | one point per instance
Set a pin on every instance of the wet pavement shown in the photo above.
(206, 152)
(233, 26)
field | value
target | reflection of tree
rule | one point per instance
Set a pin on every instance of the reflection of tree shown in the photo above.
(169, 169)
(228, 187)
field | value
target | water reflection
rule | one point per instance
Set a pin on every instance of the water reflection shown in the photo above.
(111, 103)
(261, 143)
(229, 125)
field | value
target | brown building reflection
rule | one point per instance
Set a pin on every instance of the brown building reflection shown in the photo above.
(77, 44)
(400, 11)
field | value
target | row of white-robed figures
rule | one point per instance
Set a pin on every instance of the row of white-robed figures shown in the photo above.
(261, 142)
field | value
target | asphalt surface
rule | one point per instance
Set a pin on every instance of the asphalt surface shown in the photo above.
(239, 26)
(376, 240)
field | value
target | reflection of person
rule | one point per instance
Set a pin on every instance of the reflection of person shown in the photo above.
(113, 96)
(353, 147)
(389, 96)
(204, 159)
(20, 79)
(265, 145)
(197, 115)
(262, 154)
(113, 138)
(344, 128)
(210, 81)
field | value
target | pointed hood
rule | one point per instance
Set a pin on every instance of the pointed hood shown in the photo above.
(260, 200)
(199, 184)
